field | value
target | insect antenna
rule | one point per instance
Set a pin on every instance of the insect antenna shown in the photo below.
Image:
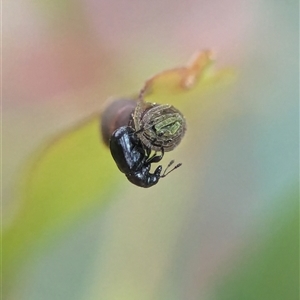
(169, 165)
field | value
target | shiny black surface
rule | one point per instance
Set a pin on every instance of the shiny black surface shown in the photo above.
(133, 159)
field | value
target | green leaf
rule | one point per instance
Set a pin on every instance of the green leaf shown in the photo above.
(75, 172)
(68, 177)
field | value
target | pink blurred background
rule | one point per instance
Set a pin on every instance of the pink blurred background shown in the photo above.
(63, 59)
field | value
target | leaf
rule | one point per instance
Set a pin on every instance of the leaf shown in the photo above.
(68, 177)
(75, 172)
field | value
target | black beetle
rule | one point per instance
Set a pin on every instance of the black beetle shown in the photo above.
(134, 159)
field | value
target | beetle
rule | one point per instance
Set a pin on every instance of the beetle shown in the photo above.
(133, 129)
(134, 159)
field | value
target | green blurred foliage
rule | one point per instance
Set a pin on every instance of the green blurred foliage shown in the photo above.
(75, 172)
(270, 270)
(58, 47)
(71, 175)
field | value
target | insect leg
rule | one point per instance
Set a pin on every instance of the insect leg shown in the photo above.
(156, 158)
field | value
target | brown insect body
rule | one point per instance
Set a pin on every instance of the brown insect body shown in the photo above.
(159, 126)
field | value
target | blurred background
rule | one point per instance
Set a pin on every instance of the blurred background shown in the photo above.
(223, 226)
